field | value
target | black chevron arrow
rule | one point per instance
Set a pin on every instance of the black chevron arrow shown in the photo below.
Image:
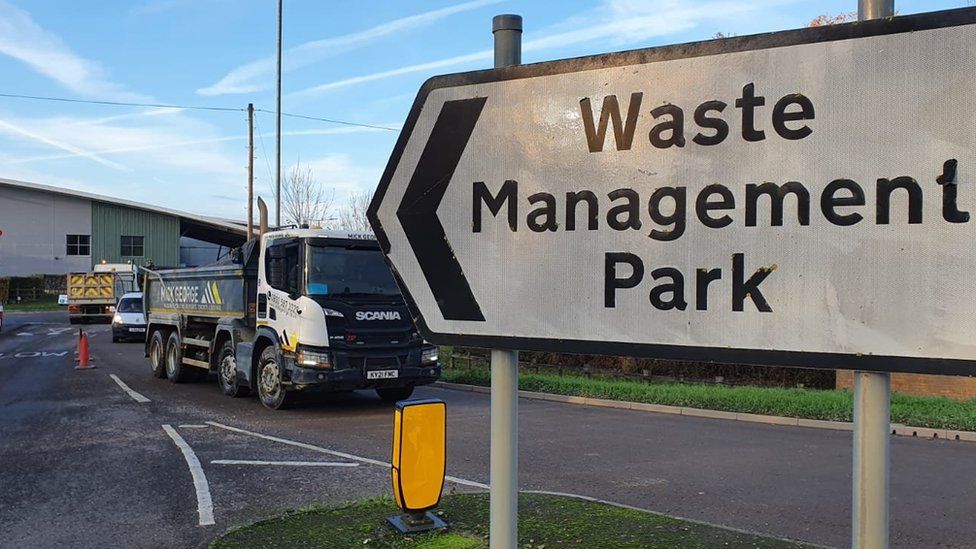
(418, 209)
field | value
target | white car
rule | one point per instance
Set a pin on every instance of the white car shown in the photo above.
(129, 321)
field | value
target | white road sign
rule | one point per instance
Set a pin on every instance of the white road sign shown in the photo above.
(800, 198)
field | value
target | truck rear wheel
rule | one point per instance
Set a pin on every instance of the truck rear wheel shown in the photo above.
(394, 394)
(227, 372)
(157, 354)
(271, 390)
(175, 369)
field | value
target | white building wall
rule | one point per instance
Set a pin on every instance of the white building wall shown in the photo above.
(35, 226)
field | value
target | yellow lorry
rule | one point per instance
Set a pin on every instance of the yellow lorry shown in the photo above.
(93, 295)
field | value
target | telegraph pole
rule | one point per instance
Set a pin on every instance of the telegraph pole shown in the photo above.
(250, 171)
(278, 132)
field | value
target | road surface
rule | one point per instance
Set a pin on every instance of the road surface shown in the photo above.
(89, 463)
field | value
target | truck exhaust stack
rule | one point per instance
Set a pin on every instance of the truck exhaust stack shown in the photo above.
(263, 217)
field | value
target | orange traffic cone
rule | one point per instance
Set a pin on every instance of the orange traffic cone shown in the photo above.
(84, 361)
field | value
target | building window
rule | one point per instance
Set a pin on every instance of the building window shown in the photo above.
(132, 246)
(79, 244)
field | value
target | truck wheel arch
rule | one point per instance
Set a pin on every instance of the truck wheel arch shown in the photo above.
(266, 337)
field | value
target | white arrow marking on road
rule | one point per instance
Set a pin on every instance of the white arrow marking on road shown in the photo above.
(204, 501)
(57, 331)
(344, 455)
(135, 396)
(287, 463)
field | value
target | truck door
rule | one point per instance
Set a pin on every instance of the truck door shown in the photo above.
(280, 290)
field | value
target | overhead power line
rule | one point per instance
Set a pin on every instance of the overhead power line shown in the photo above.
(190, 107)
(331, 120)
(121, 103)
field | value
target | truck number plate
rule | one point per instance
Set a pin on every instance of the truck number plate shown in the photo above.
(382, 374)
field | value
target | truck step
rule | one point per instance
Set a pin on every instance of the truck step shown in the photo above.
(197, 363)
(196, 342)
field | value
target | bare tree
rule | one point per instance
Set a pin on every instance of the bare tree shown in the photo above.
(353, 216)
(303, 199)
(826, 19)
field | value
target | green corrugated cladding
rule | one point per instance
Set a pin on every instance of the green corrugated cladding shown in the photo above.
(160, 232)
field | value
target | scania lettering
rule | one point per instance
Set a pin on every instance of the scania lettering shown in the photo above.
(296, 310)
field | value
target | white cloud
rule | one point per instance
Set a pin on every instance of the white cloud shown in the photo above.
(338, 171)
(258, 75)
(40, 136)
(617, 22)
(25, 40)
(171, 144)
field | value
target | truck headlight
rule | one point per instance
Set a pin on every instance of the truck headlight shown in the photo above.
(314, 359)
(428, 355)
(331, 312)
(116, 319)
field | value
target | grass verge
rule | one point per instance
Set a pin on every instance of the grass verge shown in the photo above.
(46, 303)
(544, 521)
(934, 412)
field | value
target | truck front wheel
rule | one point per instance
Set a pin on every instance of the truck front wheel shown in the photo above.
(157, 354)
(394, 394)
(227, 371)
(269, 379)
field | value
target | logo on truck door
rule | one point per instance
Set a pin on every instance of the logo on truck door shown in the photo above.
(377, 315)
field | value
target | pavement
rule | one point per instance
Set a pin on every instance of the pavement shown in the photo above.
(86, 463)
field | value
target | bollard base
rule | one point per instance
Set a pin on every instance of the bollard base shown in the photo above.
(411, 523)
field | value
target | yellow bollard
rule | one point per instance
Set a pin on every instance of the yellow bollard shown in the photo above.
(419, 463)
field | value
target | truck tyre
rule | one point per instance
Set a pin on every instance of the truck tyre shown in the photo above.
(176, 371)
(394, 394)
(157, 354)
(269, 380)
(227, 371)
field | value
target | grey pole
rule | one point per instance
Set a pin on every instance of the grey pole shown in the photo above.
(872, 416)
(503, 533)
(875, 9)
(278, 129)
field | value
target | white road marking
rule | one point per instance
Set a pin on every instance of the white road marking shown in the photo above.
(135, 396)
(57, 331)
(192, 426)
(33, 354)
(24, 334)
(204, 502)
(286, 463)
(456, 480)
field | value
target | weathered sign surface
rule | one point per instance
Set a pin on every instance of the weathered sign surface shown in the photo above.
(800, 198)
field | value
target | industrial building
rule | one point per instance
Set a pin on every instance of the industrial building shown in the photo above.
(50, 230)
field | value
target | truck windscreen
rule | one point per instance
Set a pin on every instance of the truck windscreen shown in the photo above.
(342, 271)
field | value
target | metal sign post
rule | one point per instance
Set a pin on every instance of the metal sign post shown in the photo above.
(872, 416)
(503, 533)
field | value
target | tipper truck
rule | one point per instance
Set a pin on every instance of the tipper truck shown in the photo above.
(295, 310)
(93, 295)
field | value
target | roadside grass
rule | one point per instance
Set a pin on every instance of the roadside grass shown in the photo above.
(834, 405)
(46, 303)
(544, 521)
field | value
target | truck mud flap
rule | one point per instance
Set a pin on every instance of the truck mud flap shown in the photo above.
(244, 352)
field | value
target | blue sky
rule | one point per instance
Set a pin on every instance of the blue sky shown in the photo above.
(359, 61)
